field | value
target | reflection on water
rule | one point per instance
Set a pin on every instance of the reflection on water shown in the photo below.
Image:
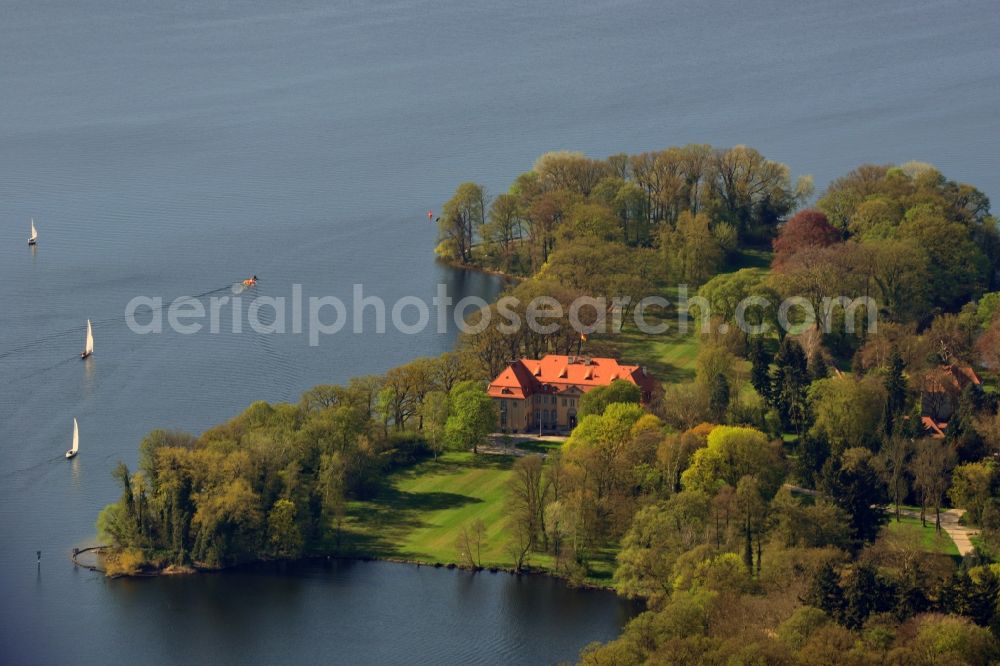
(75, 472)
(89, 377)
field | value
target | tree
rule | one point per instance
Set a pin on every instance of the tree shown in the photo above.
(473, 416)
(659, 534)
(504, 227)
(942, 639)
(895, 392)
(602, 454)
(712, 361)
(852, 483)
(817, 365)
(895, 455)
(988, 427)
(847, 412)
(589, 266)
(718, 397)
(865, 594)
(825, 592)
(673, 455)
(526, 498)
(959, 267)
(726, 291)
(931, 469)
(470, 544)
(899, 270)
(807, 228)
(283, 534)
(790, 385)
(734, 452)
(434, 412)
(760, 370)
(545, 214)
(588, 220)
(332, 487)
(972, 488)
(753, 505)
(227, 524)
(813, 524)
(988, 308)
(596, 400)
(691, 251)
(568, 170)
(813, 452)
(461, 218)
(751, 192)
(988, 345)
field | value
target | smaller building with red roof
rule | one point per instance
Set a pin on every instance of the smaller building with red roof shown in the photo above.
(940, 392)
(543, 394)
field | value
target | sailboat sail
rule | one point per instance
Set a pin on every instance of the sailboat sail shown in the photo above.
(88, 346)
(76, 436)
(34, 232)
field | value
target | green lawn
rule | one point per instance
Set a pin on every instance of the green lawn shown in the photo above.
(669, 356)
(929, 539)
(421, 512)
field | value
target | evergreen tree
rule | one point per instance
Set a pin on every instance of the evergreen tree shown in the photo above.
(865, 594)
(760, 372)
(966, 440)
(895, 389)
(718, 399)
(825, 592)
(858, 490)
(813, 452)
(790, 385)
(817, 366)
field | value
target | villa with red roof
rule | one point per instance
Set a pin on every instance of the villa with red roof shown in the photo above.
(543, 394)
(940, 393)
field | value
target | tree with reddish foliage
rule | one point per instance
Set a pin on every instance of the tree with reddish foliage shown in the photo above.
(808, 228)
(988, 345)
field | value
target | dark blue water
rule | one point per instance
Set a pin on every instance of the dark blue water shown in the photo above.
(170, 149)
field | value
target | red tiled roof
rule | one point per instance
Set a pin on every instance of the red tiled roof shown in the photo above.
(936, 429)
(557, 373)
(951, 378)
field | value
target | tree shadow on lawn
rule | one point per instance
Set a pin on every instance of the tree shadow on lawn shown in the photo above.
(379, 527)
(449, 464)
(405, 501)
(649, 351)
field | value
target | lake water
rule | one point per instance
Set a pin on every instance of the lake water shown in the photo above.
(169, 149)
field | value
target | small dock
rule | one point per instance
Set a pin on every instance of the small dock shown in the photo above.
(88, 558)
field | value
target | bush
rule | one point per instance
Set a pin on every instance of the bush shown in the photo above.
(124, 562)
(406, 448)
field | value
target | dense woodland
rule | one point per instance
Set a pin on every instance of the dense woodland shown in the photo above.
(751, 505)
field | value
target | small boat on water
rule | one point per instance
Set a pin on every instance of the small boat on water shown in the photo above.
(76, 440)
(33, 238)
(250, 281)
(88, 343)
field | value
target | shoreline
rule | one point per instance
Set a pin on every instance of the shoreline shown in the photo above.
(480, 269)
(176, 570)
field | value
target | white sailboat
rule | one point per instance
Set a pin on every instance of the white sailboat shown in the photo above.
(88, 344)
(76, 440)
(33, 238)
